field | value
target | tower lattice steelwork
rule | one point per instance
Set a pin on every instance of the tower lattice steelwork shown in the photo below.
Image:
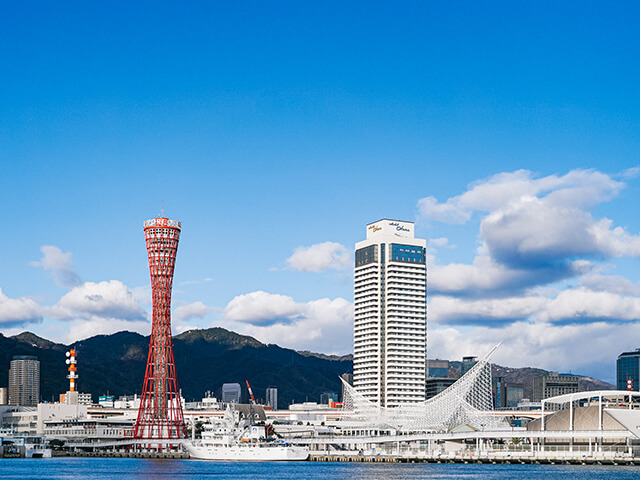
(160, 413)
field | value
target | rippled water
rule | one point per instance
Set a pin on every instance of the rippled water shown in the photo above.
(145, 469)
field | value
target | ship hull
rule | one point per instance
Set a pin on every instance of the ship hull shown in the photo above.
(246, 453)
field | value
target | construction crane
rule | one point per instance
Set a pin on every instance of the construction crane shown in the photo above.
(253, 399)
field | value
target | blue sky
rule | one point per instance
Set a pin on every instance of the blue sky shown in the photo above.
(271, 129)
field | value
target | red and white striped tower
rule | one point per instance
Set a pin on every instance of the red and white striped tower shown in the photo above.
(160, 413)
(73, 375)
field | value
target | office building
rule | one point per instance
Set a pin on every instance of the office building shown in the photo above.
(328, 398)
(347, 377)
(628, 368)
(231, 393)
(272, 397)
(437, 368)
(552, 385)
(467, 364)
(24, 381)
(390, 314)
(438, 378)
(507, 394)
(106, 401)
(76, 398)
(436, 385)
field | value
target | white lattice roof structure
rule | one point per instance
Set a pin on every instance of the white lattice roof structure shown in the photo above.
(466, 402)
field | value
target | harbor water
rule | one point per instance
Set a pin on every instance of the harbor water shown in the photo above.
(152, 469)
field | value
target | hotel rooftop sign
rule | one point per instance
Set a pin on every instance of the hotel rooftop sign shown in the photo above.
(390, 227)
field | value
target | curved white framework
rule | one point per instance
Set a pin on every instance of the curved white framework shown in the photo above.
(602, 394)
(615, 395)
(466, 402)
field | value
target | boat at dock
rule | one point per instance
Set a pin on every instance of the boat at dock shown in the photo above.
(14, 445)
(238, 439)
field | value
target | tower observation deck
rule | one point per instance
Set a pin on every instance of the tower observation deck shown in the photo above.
(160, 414)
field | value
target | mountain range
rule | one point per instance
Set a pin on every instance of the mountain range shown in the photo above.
(205, 359)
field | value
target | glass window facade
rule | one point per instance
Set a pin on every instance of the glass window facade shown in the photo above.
(366, 255)
(438, 372)
(407, 253)
(628, 367)
(514, 395)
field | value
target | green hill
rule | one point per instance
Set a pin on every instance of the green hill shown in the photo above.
(205, 359)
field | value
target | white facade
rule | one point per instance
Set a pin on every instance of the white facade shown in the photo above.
(390, 323)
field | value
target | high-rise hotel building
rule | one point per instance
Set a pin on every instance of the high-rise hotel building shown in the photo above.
(390, 323)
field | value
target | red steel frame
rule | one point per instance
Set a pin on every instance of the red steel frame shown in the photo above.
(160, 414)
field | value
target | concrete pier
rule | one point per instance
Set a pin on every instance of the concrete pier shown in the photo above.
(491, 459)
(123, 454)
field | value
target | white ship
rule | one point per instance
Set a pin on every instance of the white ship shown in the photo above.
(15, 445)
(238, 440)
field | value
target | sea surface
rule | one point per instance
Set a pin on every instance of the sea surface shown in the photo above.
(146, 469)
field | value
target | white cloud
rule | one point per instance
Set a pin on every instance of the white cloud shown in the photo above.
(18, 311)
(581, 305)
(486, 277)
(587, 349)
(321, 257)
(433, 244)
(450, 310)
(615, 242)
(323, 325)
(578, 305)
(534, 231)
(109, 300)
(439, 242)
(59, 263)
(262, 307)
(578, 188)
(191, 310)
(610, 283)
(447, 212)
(632, 172)
(142, 294)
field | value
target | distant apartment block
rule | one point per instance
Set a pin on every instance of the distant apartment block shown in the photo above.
(24, 381)
(552, 385)
(271, 396)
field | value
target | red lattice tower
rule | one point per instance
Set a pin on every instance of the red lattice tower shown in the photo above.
(160, 413)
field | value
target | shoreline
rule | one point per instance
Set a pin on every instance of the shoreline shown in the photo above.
(386, 459)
